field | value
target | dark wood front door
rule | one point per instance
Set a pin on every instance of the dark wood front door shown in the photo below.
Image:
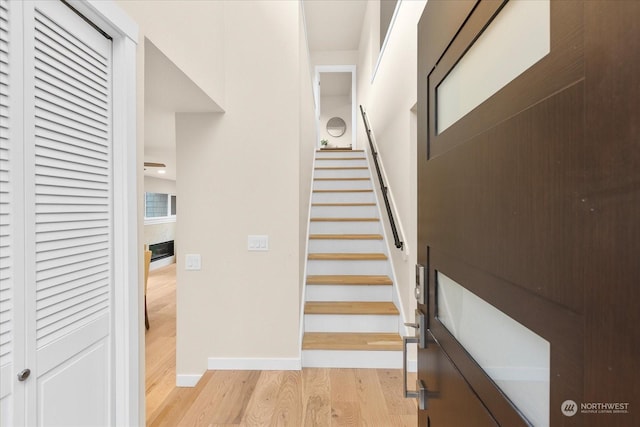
(531, 202)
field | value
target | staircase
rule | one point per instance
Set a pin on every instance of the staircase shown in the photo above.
(350, 319)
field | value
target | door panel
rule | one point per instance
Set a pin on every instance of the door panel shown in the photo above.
(60, 205)
(523, 201)
(71, 209)
(7, 239)
(450, 400)
(76, 393)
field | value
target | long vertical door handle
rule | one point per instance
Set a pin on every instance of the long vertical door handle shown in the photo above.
(421, 390)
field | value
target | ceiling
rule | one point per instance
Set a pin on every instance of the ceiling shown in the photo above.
(334, 24)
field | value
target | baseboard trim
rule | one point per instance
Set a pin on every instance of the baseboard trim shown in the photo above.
(187, 380)
(254, 364)
(162, 263)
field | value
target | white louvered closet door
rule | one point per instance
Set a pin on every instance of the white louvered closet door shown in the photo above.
(7, 231)
(69, 218)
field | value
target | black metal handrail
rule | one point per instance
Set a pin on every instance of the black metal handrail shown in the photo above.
(396, 238)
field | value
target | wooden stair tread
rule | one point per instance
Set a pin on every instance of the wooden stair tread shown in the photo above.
(344, 219)
(341, 167)
(347, 257)
(343, 204)
(341, 158)
(351, 341)
(345, 236)
(348, 279)
(322, 150)
(351, 307)
(344, 191)
(341, 179)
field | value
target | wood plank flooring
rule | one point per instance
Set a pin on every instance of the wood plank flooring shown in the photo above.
(311, 397)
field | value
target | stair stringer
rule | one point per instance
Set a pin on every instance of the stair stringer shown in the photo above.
(303, 293)
(402, 330)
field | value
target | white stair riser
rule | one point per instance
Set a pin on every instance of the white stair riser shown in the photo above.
(348, 293)
(345, 227)
(342, 185)
(340, 154)
(316, 267)
(341, 173)
(336, 197)
(341, 163)
(350, 323)
(352, 359)
(346, 246)
(344, 212)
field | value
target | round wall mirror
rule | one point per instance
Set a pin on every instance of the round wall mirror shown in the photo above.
(336, 127)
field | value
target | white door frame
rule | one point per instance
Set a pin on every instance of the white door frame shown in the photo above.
(128, 337)
(317, 91)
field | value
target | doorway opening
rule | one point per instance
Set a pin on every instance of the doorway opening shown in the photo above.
(335, 96)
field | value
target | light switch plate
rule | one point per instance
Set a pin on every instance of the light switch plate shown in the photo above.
(258, 243)
(192, 262)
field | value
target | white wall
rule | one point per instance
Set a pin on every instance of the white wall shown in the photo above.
(335, 106)
(159, 185)
(140, 193)
(240, 174)
(388, 101)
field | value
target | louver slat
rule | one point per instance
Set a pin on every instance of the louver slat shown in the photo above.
(6, 228)
(73, 175)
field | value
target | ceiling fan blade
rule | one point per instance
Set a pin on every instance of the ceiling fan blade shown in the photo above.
(155, 165)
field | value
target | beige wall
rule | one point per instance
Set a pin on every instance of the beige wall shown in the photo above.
(243, 172)
(189, 33)
(239, 174)
(388, 102)
(247, 171)
(334, 57)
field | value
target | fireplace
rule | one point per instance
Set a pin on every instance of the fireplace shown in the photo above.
(161, 250)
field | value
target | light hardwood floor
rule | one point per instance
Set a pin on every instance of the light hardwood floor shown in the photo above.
(311, 397)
